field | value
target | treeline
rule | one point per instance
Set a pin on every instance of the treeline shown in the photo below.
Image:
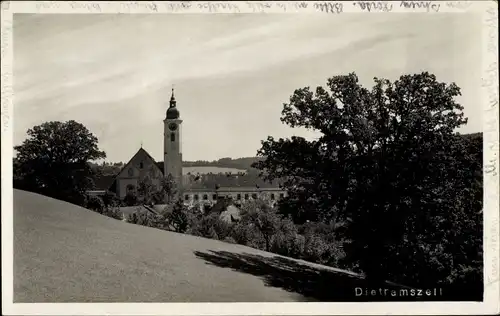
(238, 163)
(107, 168)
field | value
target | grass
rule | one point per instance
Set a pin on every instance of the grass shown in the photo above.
(65, 253)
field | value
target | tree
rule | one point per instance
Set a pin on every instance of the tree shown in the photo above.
(148, 192)
(388, 163)
(151, 194)
(259, 214)
(54, 160)
(210, 226)
(178, 217)
(167, 189)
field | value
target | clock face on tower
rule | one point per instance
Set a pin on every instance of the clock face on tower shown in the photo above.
(172, 126)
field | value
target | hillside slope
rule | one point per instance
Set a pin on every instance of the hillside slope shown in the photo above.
(65, 253)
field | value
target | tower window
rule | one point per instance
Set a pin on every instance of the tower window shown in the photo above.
(141, 165)
(172, 137)
(205, 196)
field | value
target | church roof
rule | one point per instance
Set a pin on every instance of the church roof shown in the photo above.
(172, 112)
(109, 182)
(141, 150)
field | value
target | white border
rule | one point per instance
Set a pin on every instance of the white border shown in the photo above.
(489, 9)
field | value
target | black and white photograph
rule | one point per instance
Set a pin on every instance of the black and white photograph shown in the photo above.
(248, 156)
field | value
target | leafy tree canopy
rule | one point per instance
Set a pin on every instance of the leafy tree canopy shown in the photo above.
(54, 159)
(364, 133)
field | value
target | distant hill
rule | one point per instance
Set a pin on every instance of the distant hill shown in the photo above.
(222, 165)
(244, 163)
(210, 169)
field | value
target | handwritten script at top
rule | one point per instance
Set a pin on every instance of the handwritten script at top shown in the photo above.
(283, 6)
(374, 6)
(427, 5)
(329, 7)
(490, 85)
(222, 7)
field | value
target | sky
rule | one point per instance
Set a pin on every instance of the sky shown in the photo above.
(232, 72)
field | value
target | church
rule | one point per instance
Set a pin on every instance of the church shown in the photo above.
(143, 166)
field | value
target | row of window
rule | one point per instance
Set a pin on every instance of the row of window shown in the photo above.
(238, 196)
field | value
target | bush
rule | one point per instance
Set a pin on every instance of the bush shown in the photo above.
(248, 235)
(242, 234)
(95, 203)
(211, 226)
(287, 241)
(130, 200)
(315, 248)
(222, 228)
(288, 245)
(327, 232)
(230, 240)
(335, 256)
(144, 219)
(113, 212)
(161, 222)
(110, 199)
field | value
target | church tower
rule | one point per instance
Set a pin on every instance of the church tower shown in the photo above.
(172, 153)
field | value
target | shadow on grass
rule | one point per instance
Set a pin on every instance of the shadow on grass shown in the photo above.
(314, 284)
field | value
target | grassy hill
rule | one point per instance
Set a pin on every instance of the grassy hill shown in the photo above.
(65, 253)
